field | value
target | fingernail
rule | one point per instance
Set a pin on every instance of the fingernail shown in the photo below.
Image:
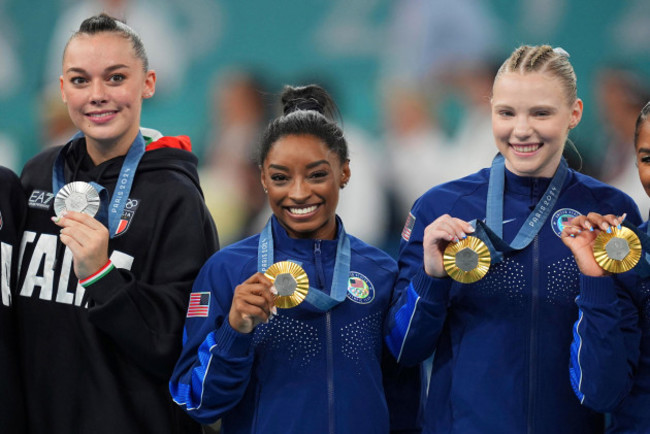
(609, 230)
(274, 310)
(455, 239)
(623, 217)
(274, 291)
(55, 219)
(470, 230)
(572, 236)
(591, 229)
(464, 236)
(618, 226)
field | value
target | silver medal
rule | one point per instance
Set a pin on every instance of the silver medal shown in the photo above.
(77, 196)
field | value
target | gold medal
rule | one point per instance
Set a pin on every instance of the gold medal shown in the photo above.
(467, 260)
(291, 282)
(618, 251)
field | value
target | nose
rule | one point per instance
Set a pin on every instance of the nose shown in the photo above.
(97, 92)
(299, 191)
(522, 128)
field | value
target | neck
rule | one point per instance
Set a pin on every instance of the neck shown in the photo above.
(101, 152)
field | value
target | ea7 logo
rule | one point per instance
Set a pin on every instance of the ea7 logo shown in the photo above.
(127, 215)
(40, 199)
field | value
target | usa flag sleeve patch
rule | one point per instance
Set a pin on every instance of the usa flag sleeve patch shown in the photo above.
(408, 227)
(199, 305)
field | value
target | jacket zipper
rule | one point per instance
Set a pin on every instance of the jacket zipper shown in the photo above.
(534, 313)
(329, 349)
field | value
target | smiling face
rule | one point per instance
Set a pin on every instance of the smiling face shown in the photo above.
(103, 84)
(303, 178)
(531, 119)
(643, 155)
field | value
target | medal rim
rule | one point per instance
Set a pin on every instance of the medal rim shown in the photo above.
(613, 265)
(302, 283)
(92, 198)
(478, 272)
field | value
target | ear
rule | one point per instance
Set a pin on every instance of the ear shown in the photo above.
(576, 114)
(262, 180)
(65, 100)
(149, 84)
(345, 175)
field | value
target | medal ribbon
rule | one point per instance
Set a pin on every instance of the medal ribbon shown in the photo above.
(109, 213)
(315, 297)
(491, 232)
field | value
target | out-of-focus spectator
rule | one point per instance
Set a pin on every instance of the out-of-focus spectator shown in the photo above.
(437, 51)
(621, 94)
(230, 177)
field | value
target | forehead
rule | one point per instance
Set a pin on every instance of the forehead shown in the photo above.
(644, 135)
(104, 46)
(531, 87)
(299, 149)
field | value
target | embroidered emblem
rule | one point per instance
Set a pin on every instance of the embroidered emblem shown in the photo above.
(408, 227)
(360, 288)
(562, 217)
(40, 199)
(127, 216)
(199, 305)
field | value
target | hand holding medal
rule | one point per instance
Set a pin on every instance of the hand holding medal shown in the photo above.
(601, 245)
(252, 304)
(449, 251)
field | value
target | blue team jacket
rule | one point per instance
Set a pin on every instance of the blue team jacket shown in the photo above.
(501, 344)
(610, 353)
(305, 370)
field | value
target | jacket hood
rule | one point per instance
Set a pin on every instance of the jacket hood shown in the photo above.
(165, 152)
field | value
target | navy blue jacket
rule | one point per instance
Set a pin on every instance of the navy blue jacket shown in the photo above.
(305, 370)
(501, 344)
(610, 353)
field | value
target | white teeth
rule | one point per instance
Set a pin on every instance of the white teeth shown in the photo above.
(526, 148)
(301, 211)
(100, 115)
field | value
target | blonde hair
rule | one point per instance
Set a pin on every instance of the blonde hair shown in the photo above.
(544, 59)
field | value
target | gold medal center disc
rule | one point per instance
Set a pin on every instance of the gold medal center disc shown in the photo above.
(468, 260)
(618, 251)
(291, 282)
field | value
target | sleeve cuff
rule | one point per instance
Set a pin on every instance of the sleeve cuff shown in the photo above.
(431, 288)
(231, 342)
(600, 290)
(98, 275)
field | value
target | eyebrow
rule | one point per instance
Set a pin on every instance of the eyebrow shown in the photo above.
(109, 69)
(643, 151)
(309, 166)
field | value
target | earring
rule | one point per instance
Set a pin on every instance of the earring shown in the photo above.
(266, 191)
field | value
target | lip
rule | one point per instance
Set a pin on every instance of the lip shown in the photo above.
(102, 116)
(305, 213)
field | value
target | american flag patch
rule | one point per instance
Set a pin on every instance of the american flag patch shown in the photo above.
(199, 305)
(408, 227)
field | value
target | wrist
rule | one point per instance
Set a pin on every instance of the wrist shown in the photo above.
(97, 275)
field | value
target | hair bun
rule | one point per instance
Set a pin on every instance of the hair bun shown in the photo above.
(302, 104)
(311, 97)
